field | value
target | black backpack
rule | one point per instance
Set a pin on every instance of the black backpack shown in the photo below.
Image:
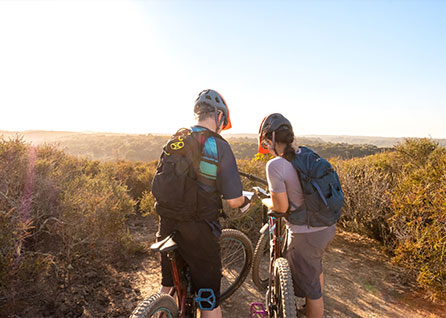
(175, 185)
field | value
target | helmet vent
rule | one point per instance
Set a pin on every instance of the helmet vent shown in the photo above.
(215, 103)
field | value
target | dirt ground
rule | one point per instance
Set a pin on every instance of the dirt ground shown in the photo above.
(360, 281)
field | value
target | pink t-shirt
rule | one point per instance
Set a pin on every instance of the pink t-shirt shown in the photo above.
(282, 177)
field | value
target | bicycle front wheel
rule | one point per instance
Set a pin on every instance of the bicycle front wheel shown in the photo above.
(282, 291)
(260, 262)
(236, 257)
(157, 305)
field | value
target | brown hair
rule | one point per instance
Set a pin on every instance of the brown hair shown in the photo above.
(284, 135)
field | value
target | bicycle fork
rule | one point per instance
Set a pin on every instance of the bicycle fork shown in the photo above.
(275, 236)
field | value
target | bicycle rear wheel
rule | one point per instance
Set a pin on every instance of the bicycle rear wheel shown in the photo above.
(260, 262)
(236, 257)
(282, 291)
(157, 305)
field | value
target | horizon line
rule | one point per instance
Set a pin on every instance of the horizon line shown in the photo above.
(224, 133)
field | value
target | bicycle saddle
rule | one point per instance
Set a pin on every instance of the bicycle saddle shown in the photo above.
(166, 245)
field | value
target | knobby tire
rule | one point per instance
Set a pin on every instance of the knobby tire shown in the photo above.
(283, 290)
(155, 305)
(236, 256)
(260, 262)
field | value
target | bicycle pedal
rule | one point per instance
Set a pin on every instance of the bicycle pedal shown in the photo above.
(258, 310)
(205, 303)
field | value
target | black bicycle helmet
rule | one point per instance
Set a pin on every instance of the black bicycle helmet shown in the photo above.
(271, 124)
(215, 100)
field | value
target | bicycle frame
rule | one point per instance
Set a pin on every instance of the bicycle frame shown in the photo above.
(276, 237)
(236, 257)
(187, 303)
(178, 288)
(182, 287)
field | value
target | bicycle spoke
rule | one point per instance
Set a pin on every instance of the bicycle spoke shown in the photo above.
(232, 254)
(236, 254)
(228, 256)
(235, 259)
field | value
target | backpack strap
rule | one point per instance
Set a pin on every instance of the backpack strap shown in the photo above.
(208, 165)
(300, 174)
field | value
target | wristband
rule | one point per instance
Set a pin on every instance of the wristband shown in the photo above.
(245, 206)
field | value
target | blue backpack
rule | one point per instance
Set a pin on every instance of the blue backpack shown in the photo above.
(322, 191)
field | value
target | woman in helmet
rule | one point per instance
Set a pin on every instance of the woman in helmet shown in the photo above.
(306, 244)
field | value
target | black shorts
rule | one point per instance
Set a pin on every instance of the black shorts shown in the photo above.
(200, 249)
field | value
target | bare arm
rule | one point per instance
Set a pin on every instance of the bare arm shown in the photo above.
(236, 202)
(278, 202)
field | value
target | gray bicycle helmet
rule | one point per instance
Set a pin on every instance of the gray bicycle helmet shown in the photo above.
(214, 99)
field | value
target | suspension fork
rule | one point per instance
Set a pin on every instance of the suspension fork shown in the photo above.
(274, 254)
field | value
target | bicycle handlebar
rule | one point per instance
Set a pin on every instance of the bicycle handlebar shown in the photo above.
(253, 177)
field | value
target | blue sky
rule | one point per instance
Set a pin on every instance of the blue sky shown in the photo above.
(375, 68)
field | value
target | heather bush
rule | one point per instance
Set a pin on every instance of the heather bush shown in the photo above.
(18, 266)
(57, 215)
(147, 204)
(137, 176)
(419, 206)
(399, 197)
(367, 184)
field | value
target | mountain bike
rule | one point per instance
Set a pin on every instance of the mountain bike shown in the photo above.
(236, 255)
(279, 291)
(260, 263)
(273, 273)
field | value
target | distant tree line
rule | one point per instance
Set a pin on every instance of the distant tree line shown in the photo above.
(148, 147)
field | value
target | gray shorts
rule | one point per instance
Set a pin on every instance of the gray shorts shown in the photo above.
(305, 258)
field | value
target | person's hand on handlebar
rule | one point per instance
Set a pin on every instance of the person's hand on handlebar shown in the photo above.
(242, 202)
(278, 202)
(268, 202)
(261, 193)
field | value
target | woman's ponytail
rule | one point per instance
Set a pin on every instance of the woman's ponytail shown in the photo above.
(286, 136)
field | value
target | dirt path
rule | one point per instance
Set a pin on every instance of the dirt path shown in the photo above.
(360, 281)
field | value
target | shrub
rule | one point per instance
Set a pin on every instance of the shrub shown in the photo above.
(55, 210)
(399, 198)
(367, 184)
(419, 221)
(147, 204)
(137, 176)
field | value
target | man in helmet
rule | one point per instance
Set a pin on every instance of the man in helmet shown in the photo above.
(218, 178)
